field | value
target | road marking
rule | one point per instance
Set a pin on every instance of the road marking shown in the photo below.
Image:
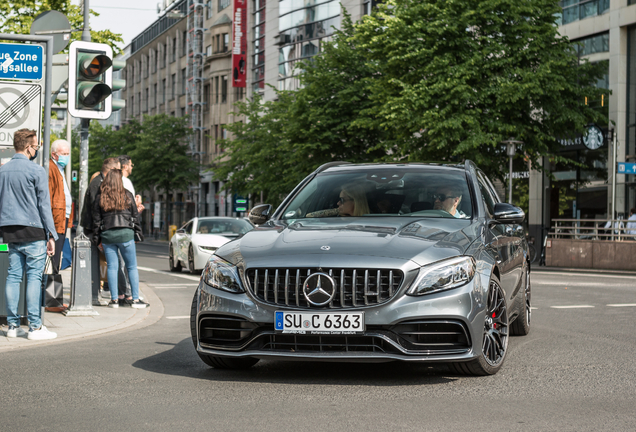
(572, 307)
(166, 272)
(604, 276)
(176, 287)
(179, 317)
(622, 305)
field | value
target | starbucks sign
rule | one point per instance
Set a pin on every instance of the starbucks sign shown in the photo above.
(594, 138)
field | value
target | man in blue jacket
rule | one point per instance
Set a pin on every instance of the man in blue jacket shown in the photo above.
(27, 226)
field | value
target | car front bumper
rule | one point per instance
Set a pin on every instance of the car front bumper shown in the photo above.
(440, 327)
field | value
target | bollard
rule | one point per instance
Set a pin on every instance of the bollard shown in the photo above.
(81, 289)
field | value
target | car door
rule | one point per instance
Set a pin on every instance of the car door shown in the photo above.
(510, 246)
(184, 241)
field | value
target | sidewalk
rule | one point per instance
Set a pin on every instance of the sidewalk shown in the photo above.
(109, 320)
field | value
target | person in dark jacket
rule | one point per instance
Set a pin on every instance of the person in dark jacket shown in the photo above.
(115, 227)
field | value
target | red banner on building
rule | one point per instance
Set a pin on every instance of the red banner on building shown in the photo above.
(239, 44)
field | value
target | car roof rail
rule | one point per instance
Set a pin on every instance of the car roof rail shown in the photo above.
(323, 167)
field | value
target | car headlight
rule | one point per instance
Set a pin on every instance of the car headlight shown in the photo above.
(222, 275)
(208, 248)
(443, 275)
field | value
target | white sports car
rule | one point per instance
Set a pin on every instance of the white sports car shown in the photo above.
(193, 243)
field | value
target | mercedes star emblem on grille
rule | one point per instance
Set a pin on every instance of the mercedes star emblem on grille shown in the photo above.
(319, 289)
(325, 247)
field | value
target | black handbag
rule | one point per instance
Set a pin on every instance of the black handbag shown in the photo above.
(54, 291)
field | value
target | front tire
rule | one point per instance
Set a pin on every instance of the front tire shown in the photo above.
(521, 326)
(494, 337)
(214, 361)
(175, 265)
(191, 260)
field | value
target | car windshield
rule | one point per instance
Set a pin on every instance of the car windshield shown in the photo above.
(225, 227)
(381, 192)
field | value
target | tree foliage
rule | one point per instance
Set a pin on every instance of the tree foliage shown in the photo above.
(156, 146)
(420, 80)
(16, 17)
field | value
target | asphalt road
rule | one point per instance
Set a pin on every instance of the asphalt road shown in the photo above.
(574, 372)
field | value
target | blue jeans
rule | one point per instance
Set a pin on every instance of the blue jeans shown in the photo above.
(129, 254)
(33, 256)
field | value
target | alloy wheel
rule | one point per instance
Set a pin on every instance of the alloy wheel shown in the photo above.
(495, 340)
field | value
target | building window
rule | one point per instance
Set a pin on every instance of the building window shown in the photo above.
(208, 50)
(184, 80)
(574, 10)
(184, 43)
(206, 96)
(139, 102)
(132, 105)
(147, 94)
(258, 45)
(173, 85)
(218, 43)
(593, 44)
(208, 9)
(226, 42)
(369, 5)
(183, 112)
(155, 100)
(164, 56)
(216, 90)
(301, 32)
(144, 59)
(224, 89)
(174, 50)
(163, 91)
(223, 4)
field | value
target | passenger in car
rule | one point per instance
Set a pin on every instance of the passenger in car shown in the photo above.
(448, 198)
(352, 202)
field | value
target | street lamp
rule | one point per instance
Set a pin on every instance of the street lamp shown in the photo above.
(510, 150)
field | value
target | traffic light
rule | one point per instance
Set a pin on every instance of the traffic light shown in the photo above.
(240, 204)
(74, 175)
(90, 81)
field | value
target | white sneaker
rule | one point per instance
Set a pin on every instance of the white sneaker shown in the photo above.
(41, 334)
(15, 332)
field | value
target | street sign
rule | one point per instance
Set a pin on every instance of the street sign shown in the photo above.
(20, 107)
(626, 168)
(21, 61)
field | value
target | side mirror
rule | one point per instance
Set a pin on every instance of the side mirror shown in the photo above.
(180, 231)
(260, 214)
(508, 214)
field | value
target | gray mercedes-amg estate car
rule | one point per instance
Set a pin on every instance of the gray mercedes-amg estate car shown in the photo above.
(371, 263)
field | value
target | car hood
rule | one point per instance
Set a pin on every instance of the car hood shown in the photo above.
(212, 240)
(422, 240)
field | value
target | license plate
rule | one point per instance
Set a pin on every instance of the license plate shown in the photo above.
(319, 322)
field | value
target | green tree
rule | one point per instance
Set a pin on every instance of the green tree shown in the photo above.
(160, 153)
(16, 17)
(455, 78)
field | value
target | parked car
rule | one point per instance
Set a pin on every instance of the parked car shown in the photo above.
(193, 244)
(371, 263)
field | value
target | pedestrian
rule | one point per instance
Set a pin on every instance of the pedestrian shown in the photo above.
(115, 227)
(86, 222)
(631, 225)
(27, 226)
(61, 200)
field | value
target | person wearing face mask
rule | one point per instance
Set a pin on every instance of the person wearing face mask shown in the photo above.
(27, 227)
(60, 195)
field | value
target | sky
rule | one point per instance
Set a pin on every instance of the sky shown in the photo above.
(128, 17)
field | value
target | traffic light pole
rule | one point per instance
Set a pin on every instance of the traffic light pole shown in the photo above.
(83, 171)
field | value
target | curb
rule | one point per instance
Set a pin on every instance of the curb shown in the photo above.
(142, 318)
(583, 271)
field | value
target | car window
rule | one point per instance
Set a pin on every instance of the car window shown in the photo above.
(486, 193)
(224, 226)
(188, 228)
(384, 192)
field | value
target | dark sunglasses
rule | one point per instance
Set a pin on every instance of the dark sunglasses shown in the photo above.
(442, 197)
(342, 200)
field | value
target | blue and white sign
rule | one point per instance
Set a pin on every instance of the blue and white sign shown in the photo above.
(626, 168)
(21, 61)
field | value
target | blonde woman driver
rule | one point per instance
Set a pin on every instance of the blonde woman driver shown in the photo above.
(352, 202)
